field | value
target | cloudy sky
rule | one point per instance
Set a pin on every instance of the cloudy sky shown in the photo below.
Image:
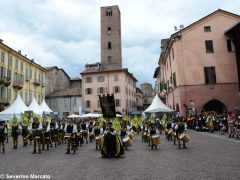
(66, 33)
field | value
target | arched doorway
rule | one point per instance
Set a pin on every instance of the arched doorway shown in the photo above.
(214, 105)
(177, 108)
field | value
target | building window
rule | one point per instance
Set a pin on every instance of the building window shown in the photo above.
(65, 103)
(74, 102)
(88, 80)
(88, 91)
(101, 90)
(116, 89)
(115, 77)
(173, 53)
(30, 74)
(109, 12)
(2, 57)
(207, 28)
(10, 61)
(209, 46)
(110, 59)
(16, 64)
(229, 45)
(109, 45)
(174, 80)
(21, 66)
(109, 30)
(100, 78)
(87, 104)
(117, 102)
(210, 75)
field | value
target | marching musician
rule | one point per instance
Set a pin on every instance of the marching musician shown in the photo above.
(84, 131)
(152, 131)
(47, 136)
(231, 129)
(97, 132)
(71, 131)
(181, 127)
(2, 136)
(37, 133)
(15, 133)
(175, 134)
(169, 126)
(25, 132)
(54, 132)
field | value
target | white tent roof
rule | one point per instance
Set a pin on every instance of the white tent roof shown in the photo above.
(16, 108)
(91, 115)
(35, 107)
(74, 116)
(157, 106)
(45, 107)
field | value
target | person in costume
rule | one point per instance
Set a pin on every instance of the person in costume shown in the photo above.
(71, 131)
(15, 133)
(37, 133)
(25, 132)
(54, 132)
(181, 127)
(112, 146)
(97, 132)
(2, 136)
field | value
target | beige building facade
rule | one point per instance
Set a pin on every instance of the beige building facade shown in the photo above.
(19, 75)
(108, 76)
(198, 66)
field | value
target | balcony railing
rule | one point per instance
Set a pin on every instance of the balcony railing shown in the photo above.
(36, 82)
(4, 101)
(27, 78)
(18, 84)
(5, 80)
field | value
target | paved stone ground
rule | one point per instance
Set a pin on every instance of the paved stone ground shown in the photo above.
(208, 156)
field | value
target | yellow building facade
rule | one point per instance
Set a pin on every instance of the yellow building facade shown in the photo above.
(19, 75)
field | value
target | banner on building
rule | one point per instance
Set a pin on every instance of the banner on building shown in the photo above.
(107, 104)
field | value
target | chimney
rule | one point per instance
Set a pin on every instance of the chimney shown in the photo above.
(19, 51)
(25, 55)
(1, 40)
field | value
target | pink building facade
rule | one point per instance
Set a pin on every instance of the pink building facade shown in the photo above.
(199, 67)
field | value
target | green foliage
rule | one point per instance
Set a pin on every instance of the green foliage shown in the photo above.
(101, 120)
(152, 120)
(125, 117)
(38, 117)
(25, 119)
(164, 119)
(116, 124)
(137, 121)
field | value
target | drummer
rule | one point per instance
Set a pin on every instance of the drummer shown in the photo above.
(152, 131)
(175, 134)
(71, 131)
(181, 127)
(169, 126)
(36, 126)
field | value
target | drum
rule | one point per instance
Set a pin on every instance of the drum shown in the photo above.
(166, 132)
(184, 137)
(99, 140)
(156, 139)
(127, 141)
(131, 135)
(37, 132)
(170, 132)
(67, 136)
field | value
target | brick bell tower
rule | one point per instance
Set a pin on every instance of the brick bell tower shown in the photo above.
(111, 47)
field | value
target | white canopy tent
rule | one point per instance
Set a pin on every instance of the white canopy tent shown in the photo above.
(34, 106)
(91, 115)
(16, 108)
(157, 106)
(74, 116)
(45, 107)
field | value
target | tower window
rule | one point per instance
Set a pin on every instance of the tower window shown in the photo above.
(110, 59)
(109, 12)
(229, 45)
(109, 30)
(109, 45)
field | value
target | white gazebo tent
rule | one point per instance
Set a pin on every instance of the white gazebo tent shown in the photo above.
(16, 108)
(34, 106)
(157, 106)
(45, 107)
(74, 116)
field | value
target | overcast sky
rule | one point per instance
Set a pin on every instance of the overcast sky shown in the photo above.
(66, 33)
